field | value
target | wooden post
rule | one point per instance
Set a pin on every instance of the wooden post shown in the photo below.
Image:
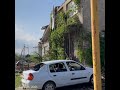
(95, 45)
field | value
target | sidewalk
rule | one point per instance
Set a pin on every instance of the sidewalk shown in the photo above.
(20, 88)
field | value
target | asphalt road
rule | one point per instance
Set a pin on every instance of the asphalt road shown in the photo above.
(79, 87)
(73, 87)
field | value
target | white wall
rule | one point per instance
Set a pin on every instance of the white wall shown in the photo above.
(45, 48)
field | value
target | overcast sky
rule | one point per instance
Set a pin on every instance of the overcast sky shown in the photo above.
(30, 16)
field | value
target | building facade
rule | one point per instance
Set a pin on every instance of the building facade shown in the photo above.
(84, 16)
(45, 41)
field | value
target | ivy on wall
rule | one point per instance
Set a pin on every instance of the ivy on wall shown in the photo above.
(85, 54)
(66, 24)
(77, 2)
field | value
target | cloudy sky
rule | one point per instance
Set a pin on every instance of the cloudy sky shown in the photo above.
(30, 16)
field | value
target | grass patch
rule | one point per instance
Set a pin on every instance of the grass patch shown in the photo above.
(17, 81)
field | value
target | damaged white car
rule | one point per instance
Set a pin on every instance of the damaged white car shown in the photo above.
(52, 74)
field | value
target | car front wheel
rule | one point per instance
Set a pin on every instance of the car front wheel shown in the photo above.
(49, 86)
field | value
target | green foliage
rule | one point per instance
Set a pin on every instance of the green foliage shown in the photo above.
(89, 56)
(17, 81)
(38, 57)
(61, 53)
(35, 57)
(80, 55)
(48, 56)
(60, 20)
(86, 54)
(17, 57)
(102, 51)
(73, 20)
(57, 37)
(27, 56)
(32, 58)
(77, 2)
(64, 25)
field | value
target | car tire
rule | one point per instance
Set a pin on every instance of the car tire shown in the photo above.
(91, 80)
(49, 86)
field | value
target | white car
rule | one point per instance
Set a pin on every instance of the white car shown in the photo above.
(52, 74)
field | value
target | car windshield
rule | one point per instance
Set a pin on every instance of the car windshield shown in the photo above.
(38, 66)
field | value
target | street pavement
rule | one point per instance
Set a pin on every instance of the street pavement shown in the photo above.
(85, 86)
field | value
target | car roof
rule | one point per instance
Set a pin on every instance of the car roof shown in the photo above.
(55, 61)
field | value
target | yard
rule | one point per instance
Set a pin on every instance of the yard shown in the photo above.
(17, 80)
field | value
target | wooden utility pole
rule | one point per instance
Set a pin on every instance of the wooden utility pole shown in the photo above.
(95, 45)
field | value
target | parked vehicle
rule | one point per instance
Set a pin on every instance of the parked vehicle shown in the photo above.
(58, 73)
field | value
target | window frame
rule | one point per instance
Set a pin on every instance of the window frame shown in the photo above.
(71, 6)
(54, 68)
(76, 63)
(38, 66)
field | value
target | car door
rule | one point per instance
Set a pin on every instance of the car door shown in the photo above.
(60, 76)
(78, 74)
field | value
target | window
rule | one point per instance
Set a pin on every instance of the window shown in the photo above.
(73, 66)
(38, 66)
(72, 7)
(45, 48)
(57, 67)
